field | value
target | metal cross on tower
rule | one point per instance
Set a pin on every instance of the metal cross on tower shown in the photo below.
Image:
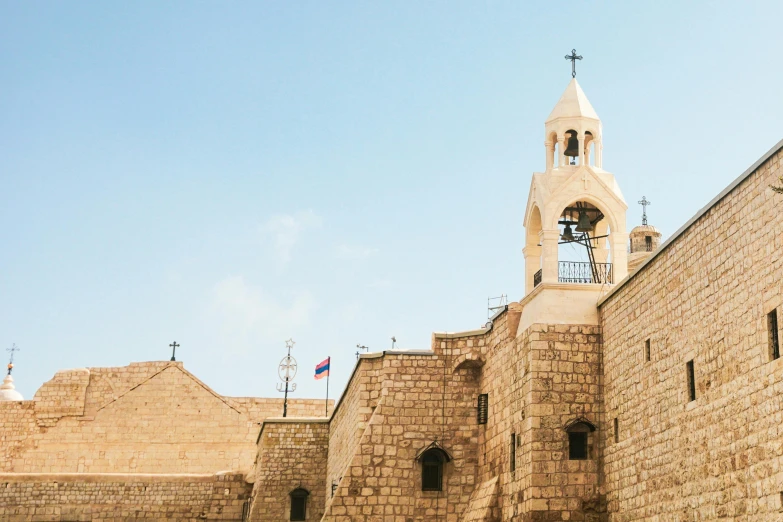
(174, 347)
(287, 371)
(12, 349)
(573, 57)
(644, 204)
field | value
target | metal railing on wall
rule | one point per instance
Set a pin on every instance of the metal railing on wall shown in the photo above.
(583, 272)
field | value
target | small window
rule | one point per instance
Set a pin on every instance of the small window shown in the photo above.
(647, 350)
(774, 339)
(691, 381)
(577, 446)
(299, 504)
(513, 453)
(578, 440)
(432, 470)
(648, 243)
(616, 430)
(482, 409)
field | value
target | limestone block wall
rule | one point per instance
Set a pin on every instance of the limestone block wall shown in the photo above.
(538, 380)
(87, 497)
(564, 386)
(63, 396)
(703, 298)
(349, 419)
(421, 401)
(144, 418)
(291, 454)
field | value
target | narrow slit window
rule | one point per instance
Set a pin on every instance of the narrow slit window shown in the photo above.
(774, 335)
(616, 430)
(691, 381)
(648, 243)
(482, 408)
(647, 350)
(513, 454)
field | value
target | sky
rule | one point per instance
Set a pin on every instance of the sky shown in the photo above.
(229, 175)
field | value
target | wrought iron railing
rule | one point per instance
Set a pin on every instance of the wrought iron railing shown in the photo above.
(537, 278)
(582, 272)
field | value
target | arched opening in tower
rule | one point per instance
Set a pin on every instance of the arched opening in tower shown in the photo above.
(584, 253)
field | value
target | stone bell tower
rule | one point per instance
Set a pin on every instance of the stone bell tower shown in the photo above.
(577, 204)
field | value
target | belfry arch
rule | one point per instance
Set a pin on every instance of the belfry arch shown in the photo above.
(574, 192)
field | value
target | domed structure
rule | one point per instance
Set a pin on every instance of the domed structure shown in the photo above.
(8, 391)
(645, 239)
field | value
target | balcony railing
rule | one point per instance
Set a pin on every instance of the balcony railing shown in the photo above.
(537, 278)
(582, 272)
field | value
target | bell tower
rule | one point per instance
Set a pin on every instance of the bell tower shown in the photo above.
(575, 230)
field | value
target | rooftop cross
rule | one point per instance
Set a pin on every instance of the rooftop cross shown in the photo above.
(644, 204)
(573, 57)
(12, 349)
(174, 347)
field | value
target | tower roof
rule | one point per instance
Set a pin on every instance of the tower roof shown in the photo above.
(573, 104)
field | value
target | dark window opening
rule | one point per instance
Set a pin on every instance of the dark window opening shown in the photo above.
(648, 243)
(513, 454)
(577, 446)
(616, 430)
(299, 504)
(432, 470)
(647, 350)
(691, 381)
(579, 440)
(482, 410)
(774, 339)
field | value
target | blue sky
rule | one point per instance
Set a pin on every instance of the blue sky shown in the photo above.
(229, 175)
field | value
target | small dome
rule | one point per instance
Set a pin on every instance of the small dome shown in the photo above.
(645, 230)
(8, 391)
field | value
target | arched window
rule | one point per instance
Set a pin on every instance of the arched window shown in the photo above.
(299, 504)
(579, 439)
(432, 470)
(432, 459)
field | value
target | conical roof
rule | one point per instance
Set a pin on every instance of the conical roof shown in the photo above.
(573, 104)
(8, 391)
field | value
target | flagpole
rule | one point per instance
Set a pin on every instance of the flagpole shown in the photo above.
(326, 406)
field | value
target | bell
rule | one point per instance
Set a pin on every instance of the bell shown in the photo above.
(572, 149)
(567, 234)
(584, 224)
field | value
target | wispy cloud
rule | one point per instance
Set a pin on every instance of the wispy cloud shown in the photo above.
(286, 229)
(354, 252)
(247, 317)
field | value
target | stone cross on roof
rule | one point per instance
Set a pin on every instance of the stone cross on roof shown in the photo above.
(12, 349)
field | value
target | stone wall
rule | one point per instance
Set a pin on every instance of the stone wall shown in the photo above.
(703, 298)
(87, 497)
(421, 401)
(349, 419)
(144, 418)
(291, 454)
(538, 380)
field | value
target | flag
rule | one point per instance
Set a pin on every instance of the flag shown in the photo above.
(322, 370)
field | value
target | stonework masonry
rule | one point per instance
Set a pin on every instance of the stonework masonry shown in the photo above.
(145, 441)
(593, 414)
(704, 298)
(37, 497)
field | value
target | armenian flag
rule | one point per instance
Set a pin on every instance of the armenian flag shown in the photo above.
(322, 370)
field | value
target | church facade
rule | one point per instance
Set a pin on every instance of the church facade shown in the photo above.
(642, 381)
